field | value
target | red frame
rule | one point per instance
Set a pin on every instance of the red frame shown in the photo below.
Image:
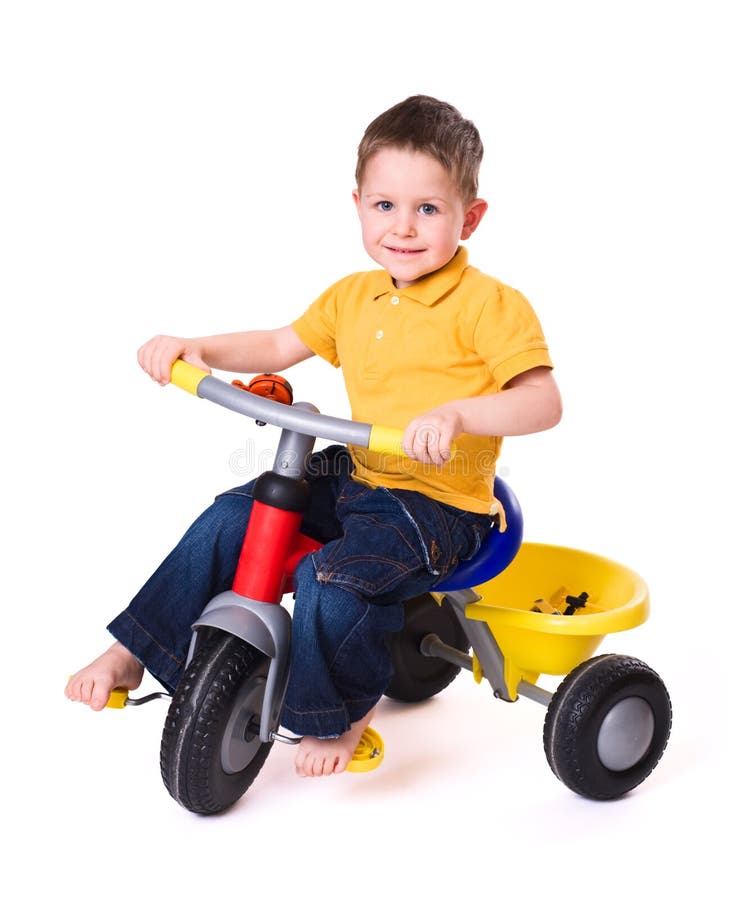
(272, 548)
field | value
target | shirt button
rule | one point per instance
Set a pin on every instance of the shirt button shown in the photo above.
(395, 300)
(379, 334)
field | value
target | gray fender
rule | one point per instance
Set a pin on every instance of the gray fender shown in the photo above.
(265, 626)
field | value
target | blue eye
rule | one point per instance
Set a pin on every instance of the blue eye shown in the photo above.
(384, 205)
(427, 209)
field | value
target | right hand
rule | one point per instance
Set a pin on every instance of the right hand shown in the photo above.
(157, 355)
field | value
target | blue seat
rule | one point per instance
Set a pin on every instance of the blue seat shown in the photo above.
(497, 550)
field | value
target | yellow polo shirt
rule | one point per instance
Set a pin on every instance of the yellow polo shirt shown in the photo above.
(455, 333)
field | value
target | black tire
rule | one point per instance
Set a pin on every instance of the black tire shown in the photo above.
(417, 677)
(607, 726)
(210, 751)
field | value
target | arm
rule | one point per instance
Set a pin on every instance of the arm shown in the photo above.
(245, 351)
(530, 402)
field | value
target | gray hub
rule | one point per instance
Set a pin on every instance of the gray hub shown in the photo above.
(626, 734)
(241, 738)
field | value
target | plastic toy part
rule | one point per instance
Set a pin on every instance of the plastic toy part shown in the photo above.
(498, 549)
(369, 753)
(562, 603)
(273, 387)
(534, 644)
(117, 699)
(186, 376)
(384, 439)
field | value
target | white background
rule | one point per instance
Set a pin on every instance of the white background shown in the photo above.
(186, 168)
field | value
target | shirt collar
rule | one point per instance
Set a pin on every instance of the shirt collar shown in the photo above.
(431, 287)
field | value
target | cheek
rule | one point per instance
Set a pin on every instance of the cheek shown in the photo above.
(371, 230)
(370, 238)
(444, 235)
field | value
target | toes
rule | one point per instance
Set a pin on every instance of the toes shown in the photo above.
(311, 763)
(88, 691)
(98, 697)
(300, 764)
(324, 765)
(85, 691)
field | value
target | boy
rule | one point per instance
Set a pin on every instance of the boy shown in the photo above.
(427, 343)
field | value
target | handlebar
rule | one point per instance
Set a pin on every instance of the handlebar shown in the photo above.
(301, 418)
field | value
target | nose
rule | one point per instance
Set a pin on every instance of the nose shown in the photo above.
(404, 224)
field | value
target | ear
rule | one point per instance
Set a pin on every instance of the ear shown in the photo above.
(475, 211)
(355, 195)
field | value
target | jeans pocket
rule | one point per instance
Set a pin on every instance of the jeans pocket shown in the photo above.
(447, 534)
(474, 534)
(372, 557)
(378, 548)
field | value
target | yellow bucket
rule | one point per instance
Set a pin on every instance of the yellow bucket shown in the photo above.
(535, 642)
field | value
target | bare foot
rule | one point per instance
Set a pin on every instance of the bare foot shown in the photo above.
(116, 668)
(329, 756)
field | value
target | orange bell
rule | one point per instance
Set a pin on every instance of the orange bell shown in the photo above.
(273, 387)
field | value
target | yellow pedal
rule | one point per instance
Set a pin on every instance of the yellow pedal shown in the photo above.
(369, 753)
(117, 700)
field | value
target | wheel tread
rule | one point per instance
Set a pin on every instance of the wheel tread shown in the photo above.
(576, 703)
(192, 731)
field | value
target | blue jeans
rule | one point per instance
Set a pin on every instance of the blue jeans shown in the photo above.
(381, 547)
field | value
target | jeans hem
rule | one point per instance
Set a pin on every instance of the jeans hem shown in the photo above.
(166, 668)
(326, 723)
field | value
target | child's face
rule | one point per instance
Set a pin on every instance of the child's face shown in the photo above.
(412, 214)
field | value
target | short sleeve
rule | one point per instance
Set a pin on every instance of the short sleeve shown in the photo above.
(508, 336)
(316, 328)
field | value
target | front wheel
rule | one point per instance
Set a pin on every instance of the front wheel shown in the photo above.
(607, 726)
(211, 751)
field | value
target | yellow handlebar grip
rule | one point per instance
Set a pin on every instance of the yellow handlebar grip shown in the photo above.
(390, 440)
(187, 376)
(386, 440)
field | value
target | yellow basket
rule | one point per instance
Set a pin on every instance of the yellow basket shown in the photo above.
(535, 643)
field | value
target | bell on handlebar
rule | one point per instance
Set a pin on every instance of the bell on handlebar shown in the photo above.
(273, 387)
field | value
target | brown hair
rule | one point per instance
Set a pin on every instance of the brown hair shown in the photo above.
(430, 126)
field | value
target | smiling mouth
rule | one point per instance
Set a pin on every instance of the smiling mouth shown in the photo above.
(403, 251)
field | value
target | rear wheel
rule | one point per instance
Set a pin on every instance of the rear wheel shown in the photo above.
(607, 726)
(418, 677)
(210, 751)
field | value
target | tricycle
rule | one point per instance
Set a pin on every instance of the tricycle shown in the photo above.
(512, 613)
